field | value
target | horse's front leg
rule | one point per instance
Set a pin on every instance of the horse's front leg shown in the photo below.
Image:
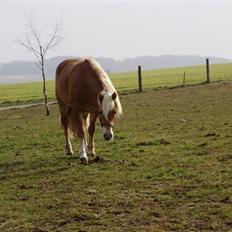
(82, 152)
(91, 130)
(81, 135)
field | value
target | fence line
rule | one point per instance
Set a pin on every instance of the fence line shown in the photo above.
(195, 75)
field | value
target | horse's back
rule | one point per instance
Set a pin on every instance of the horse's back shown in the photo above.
(66, 67)
(63, 72)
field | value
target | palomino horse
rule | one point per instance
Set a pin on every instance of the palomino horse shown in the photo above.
(84, 92)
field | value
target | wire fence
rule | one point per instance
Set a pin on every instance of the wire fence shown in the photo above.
(150, 79)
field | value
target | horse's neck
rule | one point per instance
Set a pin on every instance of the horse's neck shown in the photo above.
(95, 85)
(106, 84)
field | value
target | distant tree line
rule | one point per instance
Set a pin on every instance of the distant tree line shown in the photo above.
(111, 65)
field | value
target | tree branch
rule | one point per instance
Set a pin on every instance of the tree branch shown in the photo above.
(34, 33)
(53, 41)
(29, 46)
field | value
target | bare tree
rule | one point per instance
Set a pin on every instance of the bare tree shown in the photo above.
(39, 47)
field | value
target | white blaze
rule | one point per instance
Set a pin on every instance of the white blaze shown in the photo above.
(107, 103)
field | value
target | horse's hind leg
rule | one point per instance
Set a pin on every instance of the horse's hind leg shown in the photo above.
(85, 121)
(68, 145)
(91, 130)
(64, 111)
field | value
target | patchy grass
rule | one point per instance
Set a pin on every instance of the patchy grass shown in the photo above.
(15, 94)
(155, 175)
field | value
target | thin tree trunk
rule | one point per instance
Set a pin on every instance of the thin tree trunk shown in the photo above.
(45, 94)
(44, 83)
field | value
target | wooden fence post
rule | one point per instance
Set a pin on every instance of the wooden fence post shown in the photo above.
(140, 88)
(207, 71)
(183, 80)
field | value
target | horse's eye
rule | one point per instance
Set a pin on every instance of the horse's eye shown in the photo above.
(113, 111)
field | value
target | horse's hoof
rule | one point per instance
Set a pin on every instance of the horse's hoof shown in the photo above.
(84, 161)
(91, 154)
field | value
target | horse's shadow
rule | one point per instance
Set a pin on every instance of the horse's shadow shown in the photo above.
(100, 160)
(92, 159)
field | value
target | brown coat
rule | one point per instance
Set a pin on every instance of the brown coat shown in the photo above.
(77, 85)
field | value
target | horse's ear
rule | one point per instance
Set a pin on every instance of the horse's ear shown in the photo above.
(114, 95)
(100, 98)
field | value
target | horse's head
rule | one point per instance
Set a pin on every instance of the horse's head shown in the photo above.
(109, 109)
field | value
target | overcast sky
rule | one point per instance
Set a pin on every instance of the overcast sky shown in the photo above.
(121, 29)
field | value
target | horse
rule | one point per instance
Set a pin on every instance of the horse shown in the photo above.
(84, 93)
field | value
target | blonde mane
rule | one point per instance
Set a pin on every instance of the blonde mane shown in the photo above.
(108, 103)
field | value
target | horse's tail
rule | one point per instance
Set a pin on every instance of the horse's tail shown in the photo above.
(73, 123)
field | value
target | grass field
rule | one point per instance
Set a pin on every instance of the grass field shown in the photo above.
(32, 92)
(168, 169)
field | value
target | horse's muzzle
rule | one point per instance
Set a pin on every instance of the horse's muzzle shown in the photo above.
(108, 136)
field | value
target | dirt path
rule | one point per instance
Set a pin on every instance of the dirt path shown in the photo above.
(25, 106)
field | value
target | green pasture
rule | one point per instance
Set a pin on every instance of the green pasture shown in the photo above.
(169, 167)
(32, 92)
